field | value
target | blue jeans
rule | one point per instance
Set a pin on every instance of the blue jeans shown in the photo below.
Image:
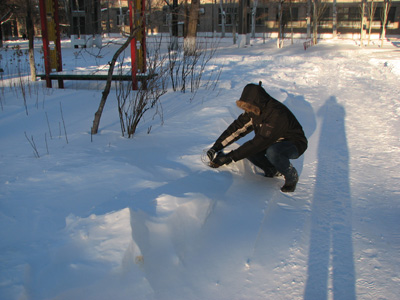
(275, 158)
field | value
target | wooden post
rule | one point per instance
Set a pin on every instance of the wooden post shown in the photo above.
(137, 19)
(51, 39)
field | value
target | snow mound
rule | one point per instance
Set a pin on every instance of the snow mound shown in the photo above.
(106, 239)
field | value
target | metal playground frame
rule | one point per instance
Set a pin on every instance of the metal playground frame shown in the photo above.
(52, 46)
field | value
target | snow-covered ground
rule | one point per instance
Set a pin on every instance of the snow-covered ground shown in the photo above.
(106, 217)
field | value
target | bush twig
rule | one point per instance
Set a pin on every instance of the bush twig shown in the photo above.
(33, 145)
(62, 117)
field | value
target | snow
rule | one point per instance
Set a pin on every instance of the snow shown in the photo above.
(106, 217)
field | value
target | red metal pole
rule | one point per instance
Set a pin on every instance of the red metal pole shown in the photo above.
(45, 40)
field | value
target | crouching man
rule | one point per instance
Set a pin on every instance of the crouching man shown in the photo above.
(278, 138)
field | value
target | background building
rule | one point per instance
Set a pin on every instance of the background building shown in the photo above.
(268, 17)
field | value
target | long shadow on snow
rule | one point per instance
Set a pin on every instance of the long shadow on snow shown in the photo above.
(330, 260)
(305, 115)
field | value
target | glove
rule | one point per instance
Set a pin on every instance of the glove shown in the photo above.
(220, 160)
(211, 153)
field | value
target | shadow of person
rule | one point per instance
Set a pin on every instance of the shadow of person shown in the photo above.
(330, 258)
(304, 113)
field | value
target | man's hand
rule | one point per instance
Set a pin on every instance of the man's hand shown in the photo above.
(211, 154)
(220, 160)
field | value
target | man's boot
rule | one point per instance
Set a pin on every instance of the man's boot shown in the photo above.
(291, 179)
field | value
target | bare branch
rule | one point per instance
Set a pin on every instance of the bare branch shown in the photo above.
(97, 116)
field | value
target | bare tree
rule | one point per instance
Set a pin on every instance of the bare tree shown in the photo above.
(362, 11)
(243, 26)
(132, 105)
(385, 12)
(280, 24)
(190, 40)
(334, 18)
(223, 18)
(6, 13)
(173, 23)
(308, 18)
(318, 11)
(291, 21)
(97, 116)
(371, 14)
(234, 22)
(285, 17)
(253, 18)
(31, 35)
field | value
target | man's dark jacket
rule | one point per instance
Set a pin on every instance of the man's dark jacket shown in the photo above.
(271, 121)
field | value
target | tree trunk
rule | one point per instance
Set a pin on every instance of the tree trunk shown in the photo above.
(291, 23)
(280, 25)
(233, 16)
(97, 116)
(186, 23)
(223, 18)
(243, 26)
(190, 40)
(253, 18)
(315, 22)
(174, 26)
(386, 9)
(108, 25)
(122, 19)
(371, 20)
(1, 36)
(334, 19)
(308, 19)
(31, 35)
(362, 32)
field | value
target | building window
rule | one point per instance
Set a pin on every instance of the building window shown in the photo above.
(261, 15)
(349, 14)
(231, 13)
(79, 26)
(295, 14)
(166, 15)
(124, 18)
(326, 16)
(378, 16)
